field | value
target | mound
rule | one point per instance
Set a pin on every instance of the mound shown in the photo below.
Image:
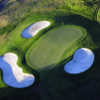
(12, 74)
(50, 48)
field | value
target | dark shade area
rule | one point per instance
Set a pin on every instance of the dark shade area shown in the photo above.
(2, 4)
(57, 85)
(30, 93)
(54, 84)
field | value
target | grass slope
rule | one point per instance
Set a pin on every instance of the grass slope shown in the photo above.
(54, 84)
(50, 48)
(14, 42)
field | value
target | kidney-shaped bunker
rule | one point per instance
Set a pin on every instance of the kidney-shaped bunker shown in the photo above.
(82, 61)
(33, 29)
(12, 74)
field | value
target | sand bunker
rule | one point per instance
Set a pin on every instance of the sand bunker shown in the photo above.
(82, 61)
(32, 30)
(12, 74)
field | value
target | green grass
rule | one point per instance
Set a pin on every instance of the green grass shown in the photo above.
(55, 84)
(50, 48)
(13, 42)
(58, 85)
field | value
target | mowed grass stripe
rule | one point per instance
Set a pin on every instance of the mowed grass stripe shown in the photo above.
(50, 48)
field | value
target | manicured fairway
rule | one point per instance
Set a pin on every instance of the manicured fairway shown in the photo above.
(49, 49)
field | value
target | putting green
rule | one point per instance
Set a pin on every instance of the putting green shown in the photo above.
(50, 48)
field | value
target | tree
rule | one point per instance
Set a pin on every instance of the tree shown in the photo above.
(2, 4)
(95, 4)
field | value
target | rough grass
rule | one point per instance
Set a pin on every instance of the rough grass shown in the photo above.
(98, 16)
(3, 21)
(57, 85)
(54, 84)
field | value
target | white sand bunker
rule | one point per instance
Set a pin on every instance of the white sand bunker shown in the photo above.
(81, 62)
(32, 30)
(12, 74)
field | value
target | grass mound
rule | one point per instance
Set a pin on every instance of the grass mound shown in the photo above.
(50, 48)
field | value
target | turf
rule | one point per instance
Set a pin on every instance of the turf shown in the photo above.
(54, 84)
(13, 42)
(50, 48)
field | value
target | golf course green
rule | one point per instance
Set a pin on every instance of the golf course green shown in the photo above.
(49, 52)
(51, 47)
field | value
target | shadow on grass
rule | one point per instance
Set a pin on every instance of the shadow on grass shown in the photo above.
(55, 84)
(9, 93)
(92, 27)
(30, 93)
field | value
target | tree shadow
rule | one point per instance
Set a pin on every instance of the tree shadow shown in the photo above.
(53, 83)
(9, 93)
(91, 26)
